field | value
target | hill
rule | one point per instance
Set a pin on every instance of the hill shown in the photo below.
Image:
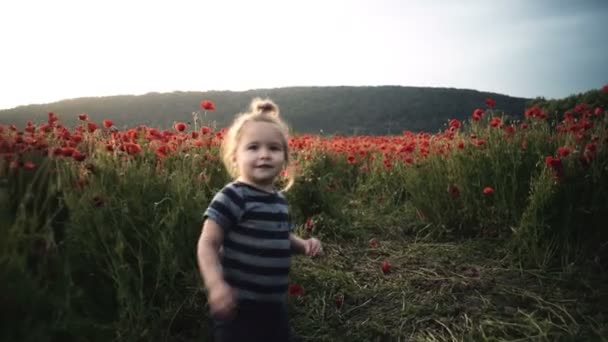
(343, 110)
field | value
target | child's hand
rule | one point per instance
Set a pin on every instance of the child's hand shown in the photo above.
(222, 300)
(312, 247)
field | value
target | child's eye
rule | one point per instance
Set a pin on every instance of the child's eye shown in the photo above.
(252, 147)
(275, 148)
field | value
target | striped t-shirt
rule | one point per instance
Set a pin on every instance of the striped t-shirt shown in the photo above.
(256, 247)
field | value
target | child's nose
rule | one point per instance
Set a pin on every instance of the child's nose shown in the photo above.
(265, 153)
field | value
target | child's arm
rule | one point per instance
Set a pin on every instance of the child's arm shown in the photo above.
(298, 245)
(221, 296)
(310, 247)
(208, 247)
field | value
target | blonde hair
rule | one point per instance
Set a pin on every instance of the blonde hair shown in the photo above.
(260, 110)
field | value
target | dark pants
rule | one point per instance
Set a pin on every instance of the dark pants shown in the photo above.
(253, 322)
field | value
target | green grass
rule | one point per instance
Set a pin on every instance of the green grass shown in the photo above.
(442, 291)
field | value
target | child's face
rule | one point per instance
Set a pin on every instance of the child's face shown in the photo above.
(260, 154)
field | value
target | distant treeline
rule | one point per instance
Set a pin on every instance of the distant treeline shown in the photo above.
(331, 110)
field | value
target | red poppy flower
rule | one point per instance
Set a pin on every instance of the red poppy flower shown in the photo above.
(351, 159)
(563, 151)
(108, 123)
(605, 89)
(495, 122)
(509, 130)
(490, 103)
(455, 124)
(52, 117)
(552, 161)
(180, 126)
(555, 164)
(28, 165)
(91, 127)
(339, 300)
(477, 114)
(598, 111)
(78, 156)
(83, 117)
(385, 267)
(132, 148)
(206, 130)
(296, 290)
(488, 191)
(373, 243)
(309, 224)
(207, 105)
(67, 151)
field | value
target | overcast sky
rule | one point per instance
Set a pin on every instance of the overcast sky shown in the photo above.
(58, 49)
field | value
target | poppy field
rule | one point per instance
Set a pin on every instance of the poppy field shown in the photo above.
(492, 229)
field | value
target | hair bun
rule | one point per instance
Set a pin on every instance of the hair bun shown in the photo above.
(266, 107)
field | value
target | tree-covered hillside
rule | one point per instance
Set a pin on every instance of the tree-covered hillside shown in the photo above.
(344, 110)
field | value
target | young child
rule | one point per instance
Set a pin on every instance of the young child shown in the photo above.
(248, 219)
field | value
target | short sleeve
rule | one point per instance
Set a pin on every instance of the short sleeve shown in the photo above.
(226, 207)
(290, 223)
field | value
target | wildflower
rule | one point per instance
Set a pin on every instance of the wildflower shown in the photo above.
(132, 148)
(495, 122)
(488, 191)
(509, 130)
(535, 112)
(455, 124)
(83, 117)
(564, 151)
(28, 165)
(207, 105)
(385, 267)
(477, 114)
(180, 126)
(339, 301)
(67, 151)
(556, 165)
(162, 151)
(490, 103)
(479, 142)
(107, 123)
(295, 290)
(78, 156)
(351, 159)
(309, 224)
(91, 127)
(373, 243)
(52, 118)
(206, 130)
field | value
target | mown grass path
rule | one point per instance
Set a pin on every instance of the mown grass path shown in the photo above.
(452, 291)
